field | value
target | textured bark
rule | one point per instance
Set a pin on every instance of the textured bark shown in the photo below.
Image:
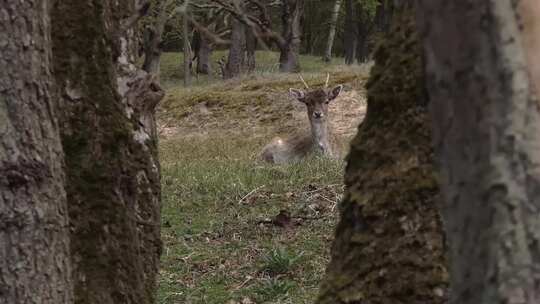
(389, 241)
(350, 31)
(110, 153)
(332, 31)
(291, 19)
(34, 235)
(235, 60)
(487, 136)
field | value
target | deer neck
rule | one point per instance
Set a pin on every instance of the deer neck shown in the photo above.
(321, 136)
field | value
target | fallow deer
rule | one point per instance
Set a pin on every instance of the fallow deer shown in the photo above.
(320, 139)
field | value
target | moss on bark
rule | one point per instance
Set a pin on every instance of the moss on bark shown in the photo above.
(389, 242)
(113, 185)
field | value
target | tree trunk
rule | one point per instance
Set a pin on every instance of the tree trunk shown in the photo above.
(251, 46)
(383, 15)
(291, 18)
(487, 136)
(34, 236)
(204, 56)
(110, 145)
(332, 32)
(235, 60)
(364, 29)
(187, 51)
(389, 241)
(351, 31)
(153, 40)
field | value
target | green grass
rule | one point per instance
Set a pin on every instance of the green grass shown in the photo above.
(219, 201)
(219, 242)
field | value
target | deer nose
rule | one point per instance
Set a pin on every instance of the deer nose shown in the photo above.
(317, 114)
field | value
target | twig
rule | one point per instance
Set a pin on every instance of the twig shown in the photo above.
(250, 193)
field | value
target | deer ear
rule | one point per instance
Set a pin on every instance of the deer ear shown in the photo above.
(297, 94)
(335, 92)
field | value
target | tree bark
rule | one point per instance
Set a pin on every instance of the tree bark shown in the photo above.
(109, 139)
(235, 60)
(487, 137)
(332, 31)
(34, 236)
(187, 51)
(203, 53)
(351, 31)
(389, 241)
(363, 31)
(153, 40)
(291, 19)
(383, 14)
(251, 46)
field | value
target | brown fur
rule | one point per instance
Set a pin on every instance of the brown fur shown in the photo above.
(319, 140)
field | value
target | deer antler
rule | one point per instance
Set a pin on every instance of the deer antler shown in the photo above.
(304, 82)
(327, 78)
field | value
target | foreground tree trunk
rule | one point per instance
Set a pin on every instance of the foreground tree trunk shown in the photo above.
(487, 135)
(291, 18)
(389, 241)
(350, 31)
(34, 236)
(332, 32)
(108, 136)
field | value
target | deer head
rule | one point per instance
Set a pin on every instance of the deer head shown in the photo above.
(317, 102)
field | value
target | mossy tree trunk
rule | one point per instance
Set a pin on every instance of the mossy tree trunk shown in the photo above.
(110, 145)
(34, 235)
(389, 241)
(480, 59)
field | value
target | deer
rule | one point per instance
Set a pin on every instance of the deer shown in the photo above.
(320, 140)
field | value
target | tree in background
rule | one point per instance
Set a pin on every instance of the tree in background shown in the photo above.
(332, 31)
(482, 78)
(153, 36)
(359, 28)
(388, 246)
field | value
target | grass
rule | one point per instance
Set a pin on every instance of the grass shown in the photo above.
(222, 243)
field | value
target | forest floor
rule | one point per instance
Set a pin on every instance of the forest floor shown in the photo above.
(223, 239)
